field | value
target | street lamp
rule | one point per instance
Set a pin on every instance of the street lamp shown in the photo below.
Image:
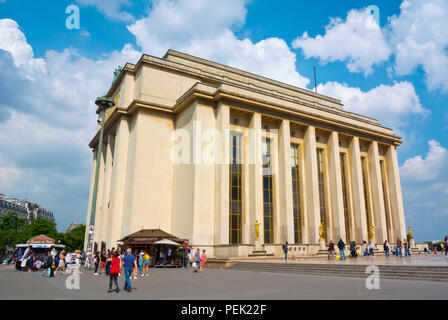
(103, 102)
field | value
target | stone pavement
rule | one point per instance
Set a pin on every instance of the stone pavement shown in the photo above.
(214, 284)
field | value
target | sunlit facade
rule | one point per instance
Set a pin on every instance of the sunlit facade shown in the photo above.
(284, 157)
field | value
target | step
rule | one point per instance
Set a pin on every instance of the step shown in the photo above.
(356, 274)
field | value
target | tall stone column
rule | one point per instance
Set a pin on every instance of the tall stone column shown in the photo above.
(222, 148)
(396, 199)
(278, 234)
(99, 204)
(335, 179)
(256, 179)
(377, 194)
(118, 180)
(357, 191)
(106, 189)
(286, 221)
(311, 193)
(92, 179)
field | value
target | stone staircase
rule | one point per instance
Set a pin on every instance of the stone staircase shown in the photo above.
(260, 254)
(424, 273)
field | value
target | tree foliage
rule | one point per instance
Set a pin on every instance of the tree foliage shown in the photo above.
(19, 231)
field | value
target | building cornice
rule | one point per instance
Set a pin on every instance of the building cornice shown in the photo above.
(242, 95)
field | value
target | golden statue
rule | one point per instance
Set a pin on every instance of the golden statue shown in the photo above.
(371, 232)
(257, 230)
(321, 231)
(410, 233)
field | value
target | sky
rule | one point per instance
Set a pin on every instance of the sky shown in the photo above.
(389, 62)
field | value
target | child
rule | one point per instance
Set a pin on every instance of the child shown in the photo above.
(140, 265)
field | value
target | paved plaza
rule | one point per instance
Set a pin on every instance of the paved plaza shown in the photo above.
(219, 284)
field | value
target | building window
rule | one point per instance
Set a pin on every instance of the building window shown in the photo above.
(320, 174)
(366, 193)
(345, 198)
(235, 186)
(297, 208)
(268, 207)
(386, 199)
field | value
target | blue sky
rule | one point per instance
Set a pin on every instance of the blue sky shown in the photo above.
(396, 72)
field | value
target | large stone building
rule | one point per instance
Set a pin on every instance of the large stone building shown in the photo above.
(289, 159)
(24, 209)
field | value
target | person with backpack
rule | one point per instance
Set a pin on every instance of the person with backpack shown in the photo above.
(341, 247)
(49, 265)
(113, 271)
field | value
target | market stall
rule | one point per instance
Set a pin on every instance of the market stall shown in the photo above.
(38, 246)
(158, 244)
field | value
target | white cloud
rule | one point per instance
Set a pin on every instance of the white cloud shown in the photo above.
(357, 40)
(419, 36)
(14, 41)
(191, 26)
(391, 105)
(426, 169)
(111, 8)
(46, 125)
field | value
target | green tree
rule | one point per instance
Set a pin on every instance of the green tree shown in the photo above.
(11, 227)
(74, 239)
(41, 226)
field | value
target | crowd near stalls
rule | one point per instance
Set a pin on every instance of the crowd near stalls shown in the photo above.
(32, 256)
(165, 250)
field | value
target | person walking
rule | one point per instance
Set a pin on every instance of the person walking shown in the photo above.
(197, 259)
(146, 259)
(203, 260)
(61, 265)
(114, 270)
(285, 250)
(47, 265)
(341, 247)
(129, 263)
(140, 264)
(331, 250)
(103, 261)
(386, 248)
(108, 262)
(96, 261)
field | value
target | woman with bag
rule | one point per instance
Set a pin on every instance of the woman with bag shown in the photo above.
(114, 270)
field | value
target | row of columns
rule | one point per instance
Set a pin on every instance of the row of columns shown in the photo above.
(282, 189)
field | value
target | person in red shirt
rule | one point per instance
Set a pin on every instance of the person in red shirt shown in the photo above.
(114, 271)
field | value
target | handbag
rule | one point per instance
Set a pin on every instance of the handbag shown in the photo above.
(108, 271)
(194, 264)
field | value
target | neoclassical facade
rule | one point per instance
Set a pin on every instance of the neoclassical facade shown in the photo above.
(205, 151)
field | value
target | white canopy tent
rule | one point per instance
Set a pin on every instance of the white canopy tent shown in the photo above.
(167, 242)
